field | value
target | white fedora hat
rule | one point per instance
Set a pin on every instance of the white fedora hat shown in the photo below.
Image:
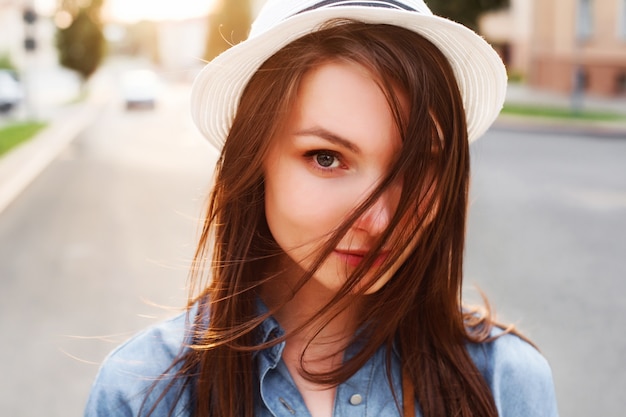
(479, 71)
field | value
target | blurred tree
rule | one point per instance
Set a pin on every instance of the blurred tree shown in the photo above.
(81, 45)
(466, 12)
(228, 25)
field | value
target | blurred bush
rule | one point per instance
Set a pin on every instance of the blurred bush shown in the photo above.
(6, 62)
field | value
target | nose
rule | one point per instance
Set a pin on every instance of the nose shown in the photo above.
(377, 217)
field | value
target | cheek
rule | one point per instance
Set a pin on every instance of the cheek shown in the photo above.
(299, 209)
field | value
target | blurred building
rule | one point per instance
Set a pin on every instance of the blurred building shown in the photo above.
(44, 82)
(563, 45)
(12, 32)
(181, 43)
(177, 46)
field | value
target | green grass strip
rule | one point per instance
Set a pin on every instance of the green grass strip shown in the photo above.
(14, 134)
(561, 113)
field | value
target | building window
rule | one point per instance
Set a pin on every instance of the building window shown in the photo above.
(621, 20)
(584, 20)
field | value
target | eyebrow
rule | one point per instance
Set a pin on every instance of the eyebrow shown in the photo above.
(330, 137)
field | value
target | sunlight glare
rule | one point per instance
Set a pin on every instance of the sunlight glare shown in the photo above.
(135, 10)
(132, 11)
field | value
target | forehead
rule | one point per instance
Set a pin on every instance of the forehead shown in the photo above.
(347, 100)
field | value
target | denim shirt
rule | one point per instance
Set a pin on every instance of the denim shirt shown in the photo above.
(519, 377)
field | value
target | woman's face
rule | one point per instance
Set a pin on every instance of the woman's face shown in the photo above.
(338, 143)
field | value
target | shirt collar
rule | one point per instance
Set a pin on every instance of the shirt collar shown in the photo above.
(268, 331)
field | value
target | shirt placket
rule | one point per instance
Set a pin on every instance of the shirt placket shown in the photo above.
(279, 393)
(351, 398)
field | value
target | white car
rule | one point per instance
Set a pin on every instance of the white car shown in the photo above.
(140, 88)
(11, 93)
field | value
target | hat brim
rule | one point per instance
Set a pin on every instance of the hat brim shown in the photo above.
(479, 71)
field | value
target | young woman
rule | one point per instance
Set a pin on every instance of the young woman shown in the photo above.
(327, 280)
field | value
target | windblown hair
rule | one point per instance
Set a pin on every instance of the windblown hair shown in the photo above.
(419, 311)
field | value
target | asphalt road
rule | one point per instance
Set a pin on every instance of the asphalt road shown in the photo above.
(546, 244)
(96, 248)
(101, 241)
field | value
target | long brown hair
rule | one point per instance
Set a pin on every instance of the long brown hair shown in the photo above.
(419, 311)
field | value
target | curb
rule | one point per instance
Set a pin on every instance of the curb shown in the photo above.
(569, 127)
(23, 164)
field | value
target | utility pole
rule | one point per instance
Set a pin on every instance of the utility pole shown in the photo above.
(29, 16)
(584, 30)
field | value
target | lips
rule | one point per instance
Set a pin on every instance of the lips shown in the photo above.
(355, 257)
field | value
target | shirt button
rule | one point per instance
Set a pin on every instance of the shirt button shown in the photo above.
(356, 399)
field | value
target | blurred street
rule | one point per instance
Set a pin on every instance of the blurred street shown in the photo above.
(546, 245)
(101, 241)
(96, 248)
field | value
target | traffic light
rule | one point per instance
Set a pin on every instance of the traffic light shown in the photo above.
(30, 44)
(30, 17)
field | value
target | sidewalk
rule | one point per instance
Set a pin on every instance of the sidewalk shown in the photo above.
(20, 166)
(522, 94)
